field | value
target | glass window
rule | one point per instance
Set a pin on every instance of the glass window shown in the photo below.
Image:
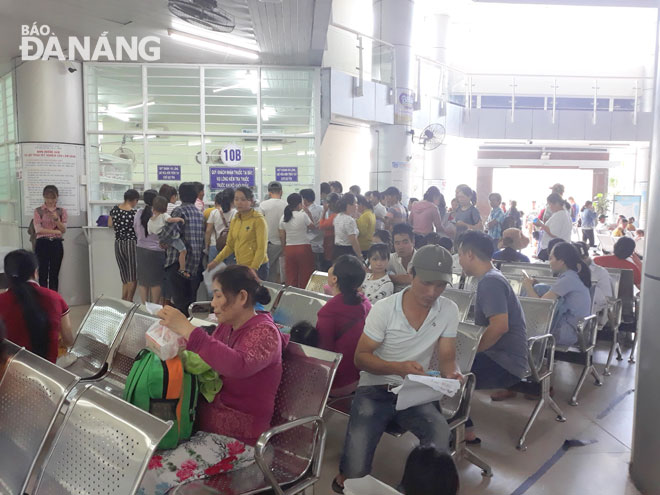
(287, 101)
(114, 98)
(173, 99)
(174, 159)
(290, 161)
(233, 162)
(230, 100)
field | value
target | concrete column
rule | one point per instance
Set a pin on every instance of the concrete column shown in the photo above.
(435, 28)
(646, 436)
(393, 22)
(484, 188)
(642, 177)
(49, 104)
(600, 181)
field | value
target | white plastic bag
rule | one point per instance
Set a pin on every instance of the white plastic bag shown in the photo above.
(164, 342)
(208, 276)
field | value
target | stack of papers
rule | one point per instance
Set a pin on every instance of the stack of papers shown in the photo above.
(422, 389)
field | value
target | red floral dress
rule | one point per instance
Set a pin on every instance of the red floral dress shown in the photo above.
(204, 455)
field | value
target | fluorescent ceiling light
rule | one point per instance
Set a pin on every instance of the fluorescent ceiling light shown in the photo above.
(149, 103)
(137, 138)
(212, 45)
(275, 147)
(198, 142)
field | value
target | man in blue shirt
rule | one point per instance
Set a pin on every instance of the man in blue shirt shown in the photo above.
(495, 219)
(501, 360)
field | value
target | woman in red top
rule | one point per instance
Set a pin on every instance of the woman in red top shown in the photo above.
(49, 226)
(245, 350)
(35, 316)
(341, 321)
(327, 226)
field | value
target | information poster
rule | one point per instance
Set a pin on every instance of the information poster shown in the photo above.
(169, 173)
(224, 177)
(286, 174)
(628, 206)
(57, 164)
(404, 106)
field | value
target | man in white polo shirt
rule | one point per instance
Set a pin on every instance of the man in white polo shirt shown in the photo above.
(400, 335)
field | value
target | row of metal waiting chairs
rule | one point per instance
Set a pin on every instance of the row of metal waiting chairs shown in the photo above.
(288, 456)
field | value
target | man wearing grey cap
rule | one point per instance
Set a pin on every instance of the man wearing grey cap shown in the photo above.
(400, 335)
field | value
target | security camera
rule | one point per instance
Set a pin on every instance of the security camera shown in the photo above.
(70, 67)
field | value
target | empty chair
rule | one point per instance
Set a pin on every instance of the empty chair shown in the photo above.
(457, 409)
(32, 392)
(582, 353)
(606, 242)
(515, 280)
(317, 281)
(297, 305)
(292, 450)
(541, 356)
(463, 299)
(131, 343)
(99, 332)
(103, 446)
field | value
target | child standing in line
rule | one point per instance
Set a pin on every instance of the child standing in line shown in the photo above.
(156, 224)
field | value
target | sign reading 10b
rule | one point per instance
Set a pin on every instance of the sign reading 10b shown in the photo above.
(231, 155)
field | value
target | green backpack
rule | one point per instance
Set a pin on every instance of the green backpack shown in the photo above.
(165, 390)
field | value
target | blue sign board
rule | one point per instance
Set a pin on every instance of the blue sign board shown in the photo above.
(169, 172)
(286, 174)
(223, 177)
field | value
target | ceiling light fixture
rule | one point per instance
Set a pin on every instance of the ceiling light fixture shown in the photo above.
(213, 45)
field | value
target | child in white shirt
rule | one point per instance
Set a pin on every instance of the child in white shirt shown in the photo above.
(156, 224)
(378, 284)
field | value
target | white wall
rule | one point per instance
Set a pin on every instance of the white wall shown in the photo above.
(347, 156)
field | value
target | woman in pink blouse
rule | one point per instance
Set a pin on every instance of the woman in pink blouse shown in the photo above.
(246, 351)
(49, 225)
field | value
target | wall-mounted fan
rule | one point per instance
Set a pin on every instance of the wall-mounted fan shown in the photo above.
(431, 137)
(198, 157)
(204, 14)
(216, 156)
(123, 152)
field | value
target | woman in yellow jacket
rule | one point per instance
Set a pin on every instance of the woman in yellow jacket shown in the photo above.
(248, 236)
(366, 224)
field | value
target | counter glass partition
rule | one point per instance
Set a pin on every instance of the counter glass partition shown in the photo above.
(222, 126)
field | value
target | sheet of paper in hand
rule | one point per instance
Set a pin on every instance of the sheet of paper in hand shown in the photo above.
(421, 389)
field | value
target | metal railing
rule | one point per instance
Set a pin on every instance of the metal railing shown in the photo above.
(374, 59)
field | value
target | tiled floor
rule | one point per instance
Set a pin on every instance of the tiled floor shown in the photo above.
(600, 468)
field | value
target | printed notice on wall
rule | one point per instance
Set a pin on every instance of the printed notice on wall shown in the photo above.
(56, 164)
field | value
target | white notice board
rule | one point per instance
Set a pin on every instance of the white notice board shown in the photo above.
(56, 164)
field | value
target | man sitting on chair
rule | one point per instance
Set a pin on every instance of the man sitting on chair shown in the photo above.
(501, 360)
(400, 335)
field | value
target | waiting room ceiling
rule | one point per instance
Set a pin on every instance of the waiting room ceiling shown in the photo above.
(291, 32)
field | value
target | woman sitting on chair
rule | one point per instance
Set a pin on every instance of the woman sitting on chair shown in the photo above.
(341, 320)
(35, 316)
(246, 351)
(571, 289)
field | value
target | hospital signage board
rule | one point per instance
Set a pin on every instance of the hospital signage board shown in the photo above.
(224, 177)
